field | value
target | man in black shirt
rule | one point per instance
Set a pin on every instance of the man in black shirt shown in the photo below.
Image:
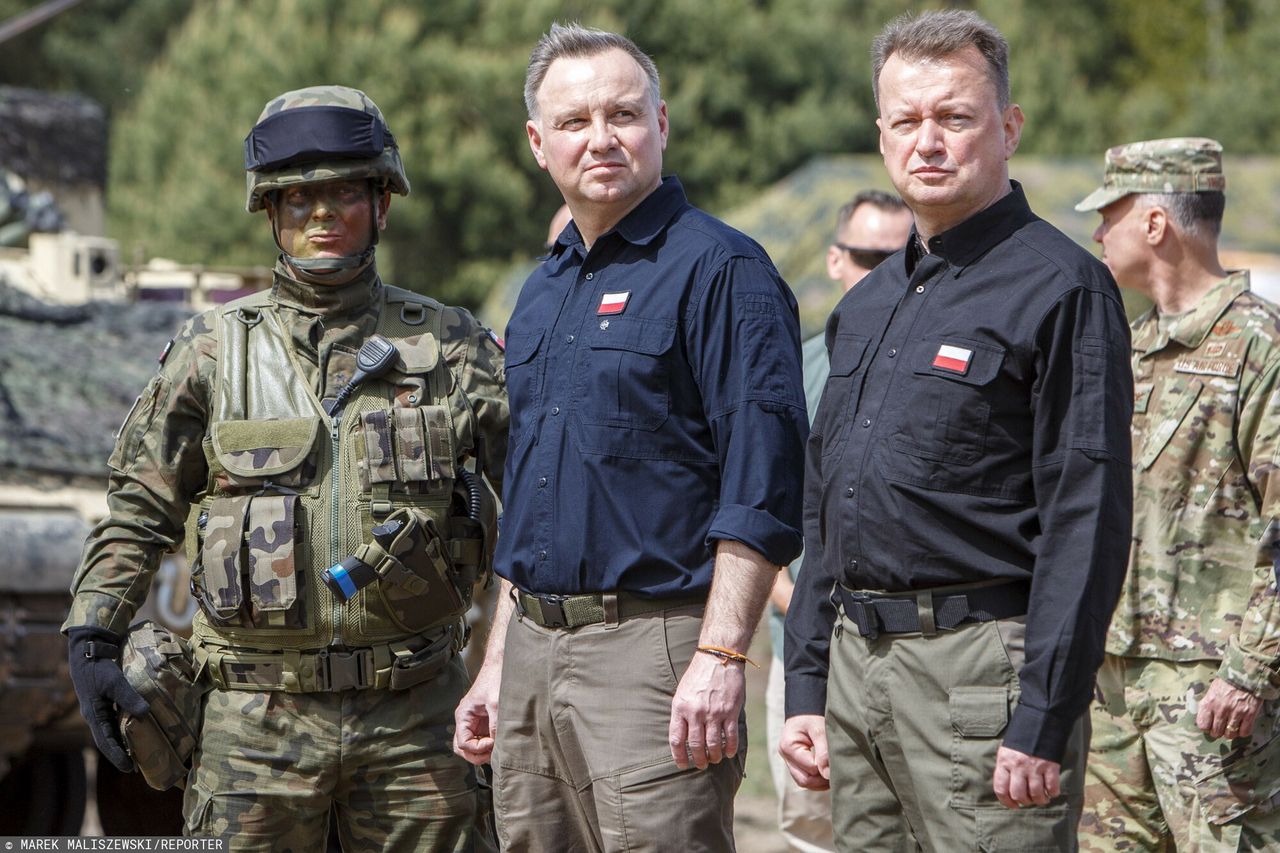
(967, 500)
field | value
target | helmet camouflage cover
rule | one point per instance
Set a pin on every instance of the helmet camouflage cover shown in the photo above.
(321, 133)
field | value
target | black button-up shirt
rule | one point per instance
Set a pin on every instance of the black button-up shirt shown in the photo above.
(975, 427)
(656, 406)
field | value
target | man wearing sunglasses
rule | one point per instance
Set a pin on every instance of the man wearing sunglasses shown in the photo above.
(871, 227)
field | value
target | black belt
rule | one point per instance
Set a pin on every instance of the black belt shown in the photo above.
(574, 611)
(927, 611)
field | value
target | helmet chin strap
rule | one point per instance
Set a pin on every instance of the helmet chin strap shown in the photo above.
(322, 268)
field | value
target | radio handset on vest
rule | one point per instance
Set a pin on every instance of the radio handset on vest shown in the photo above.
(376, 356)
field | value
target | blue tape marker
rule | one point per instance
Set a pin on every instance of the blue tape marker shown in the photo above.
(343, 579)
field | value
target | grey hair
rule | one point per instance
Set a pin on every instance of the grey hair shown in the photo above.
(1197, 215)
(935, 35)
(887, 202)
(576, 41)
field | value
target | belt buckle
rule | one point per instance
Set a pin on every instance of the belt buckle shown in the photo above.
(344, 669)
(552, 610)
(864, 615)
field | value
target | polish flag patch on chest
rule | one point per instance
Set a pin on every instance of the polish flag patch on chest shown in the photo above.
(953, 359)
(613, 303)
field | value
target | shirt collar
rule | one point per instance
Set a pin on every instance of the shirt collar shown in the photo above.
(328, 300)
(643, 224)
(973, 238)
(1193, 327)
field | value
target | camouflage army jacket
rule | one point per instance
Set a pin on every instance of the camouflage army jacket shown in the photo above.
(1206, 438)
(159, 466)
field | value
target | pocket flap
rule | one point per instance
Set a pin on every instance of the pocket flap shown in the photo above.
(264, 448)
(959, 360)
(1175, 401)
(979, 711)
(634, 334)
(220, 557)
(418, 354)
(521, 347)
(272, 541)
(846, 354)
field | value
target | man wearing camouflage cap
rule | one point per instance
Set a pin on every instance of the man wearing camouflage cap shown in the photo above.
(1186, 738)
(287, 433)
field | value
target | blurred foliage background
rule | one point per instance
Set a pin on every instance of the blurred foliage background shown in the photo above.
(756, 89)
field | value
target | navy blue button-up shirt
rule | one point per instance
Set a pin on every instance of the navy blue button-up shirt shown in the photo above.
(656, 406)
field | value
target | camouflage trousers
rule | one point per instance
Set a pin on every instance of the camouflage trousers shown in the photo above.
(1156, 782)
(271, 766)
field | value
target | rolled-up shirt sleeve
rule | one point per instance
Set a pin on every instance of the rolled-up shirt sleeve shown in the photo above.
(1082, 403)
(743, 339)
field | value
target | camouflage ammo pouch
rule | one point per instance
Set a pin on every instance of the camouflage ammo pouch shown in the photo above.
(158, 664)
(246, 569)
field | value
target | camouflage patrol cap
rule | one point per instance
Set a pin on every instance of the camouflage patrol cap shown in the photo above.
(321, 133)
(1179, 165)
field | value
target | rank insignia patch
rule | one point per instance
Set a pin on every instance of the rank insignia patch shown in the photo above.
(953, 359)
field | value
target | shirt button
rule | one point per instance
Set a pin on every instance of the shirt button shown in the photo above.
(542, 482)
(853, 564)
(892, 352)
(568, 339)
(866, 422)
(542, 555)
(555, 410)
(590, 276)
(848, 493)
(919, 288)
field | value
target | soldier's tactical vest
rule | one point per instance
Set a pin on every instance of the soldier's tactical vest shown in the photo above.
(292, 492)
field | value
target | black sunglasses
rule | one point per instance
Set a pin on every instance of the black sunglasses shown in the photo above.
(866, 258)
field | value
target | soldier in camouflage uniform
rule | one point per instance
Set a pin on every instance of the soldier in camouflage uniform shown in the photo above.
(259, 439)
(1186, 730)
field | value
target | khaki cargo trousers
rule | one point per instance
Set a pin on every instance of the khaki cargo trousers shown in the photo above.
(581, 761)
(1157, 783)
(913, 723)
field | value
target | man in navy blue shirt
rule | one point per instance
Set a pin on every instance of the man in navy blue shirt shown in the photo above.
(653, 484)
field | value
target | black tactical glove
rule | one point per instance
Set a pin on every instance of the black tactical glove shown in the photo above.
(101, 685)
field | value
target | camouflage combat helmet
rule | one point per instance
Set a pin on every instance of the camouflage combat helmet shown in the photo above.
(321, 133)
(158, 664)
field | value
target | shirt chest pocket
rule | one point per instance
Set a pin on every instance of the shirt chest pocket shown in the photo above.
(949, 413)
(1189, 450)
(524, 379)
(841, 393)
(624, 379)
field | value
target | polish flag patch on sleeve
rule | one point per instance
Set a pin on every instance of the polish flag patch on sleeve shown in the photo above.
(613, 303)
(953, 359)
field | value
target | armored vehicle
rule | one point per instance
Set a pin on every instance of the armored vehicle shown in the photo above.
(67, 377)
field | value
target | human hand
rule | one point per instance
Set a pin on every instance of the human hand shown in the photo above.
(1024, 780)
(804, 749)
(93, 655)
(704, 712)
(476, 717)
(1227, 711)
